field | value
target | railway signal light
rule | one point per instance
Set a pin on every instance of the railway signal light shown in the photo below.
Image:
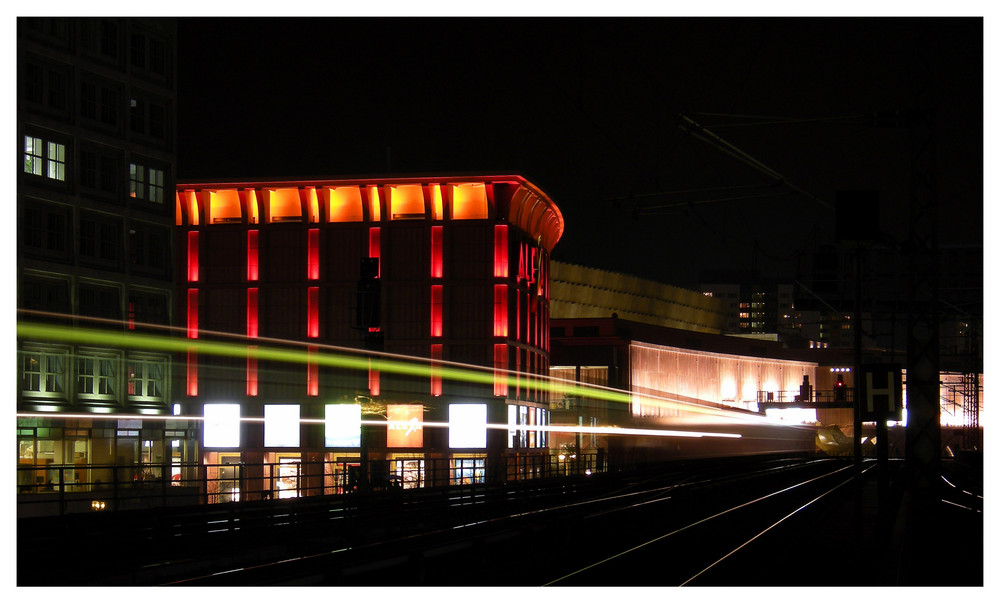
(840, 390)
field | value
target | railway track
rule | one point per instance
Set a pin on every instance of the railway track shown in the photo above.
(511, 544)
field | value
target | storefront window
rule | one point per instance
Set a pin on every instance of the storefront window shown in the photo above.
(466, 471)
(410, 472)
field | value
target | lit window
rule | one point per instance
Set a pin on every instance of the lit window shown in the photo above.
(56, 161)
(96, 376)
(33, 159)
(468, 471)
(44, 158)
(146, 378)
(43, 372)
(136, 181)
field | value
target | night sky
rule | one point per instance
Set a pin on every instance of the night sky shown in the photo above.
(587, 109)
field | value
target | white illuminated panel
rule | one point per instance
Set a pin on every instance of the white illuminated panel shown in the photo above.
(222, 426)
(281, 425)
(467, 425)
(511, 424)
(343, 425)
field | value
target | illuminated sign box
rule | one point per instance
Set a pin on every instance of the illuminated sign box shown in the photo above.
(222, 426)
(405, 425)
(343, 425)
(281, 425)
(467, 425)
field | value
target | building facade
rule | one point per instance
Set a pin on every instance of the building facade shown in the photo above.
(382, 294)
(96, 135)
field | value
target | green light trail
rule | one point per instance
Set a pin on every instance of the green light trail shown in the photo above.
(340, 358)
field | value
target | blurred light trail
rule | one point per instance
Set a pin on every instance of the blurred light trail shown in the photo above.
(498, 426)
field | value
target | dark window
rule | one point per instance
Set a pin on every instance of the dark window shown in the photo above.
(100, 241)
(138, 53)
(148, 308)
(42, 294)
(58, 83)
(157, 57)
(88, 169)
(34, 83)
(88, 100)
(99, 302)
(148, 249)
(110, 180)
(109, 39)
(157, 121)
(585, 331)
(137, 116)
(109, 107)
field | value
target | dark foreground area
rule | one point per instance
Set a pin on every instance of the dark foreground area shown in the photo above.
(636, 529)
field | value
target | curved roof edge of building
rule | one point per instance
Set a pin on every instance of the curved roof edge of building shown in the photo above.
(531, 209)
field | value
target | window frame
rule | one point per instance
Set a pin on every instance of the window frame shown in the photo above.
(45, 373)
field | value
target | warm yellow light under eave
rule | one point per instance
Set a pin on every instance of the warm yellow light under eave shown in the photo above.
(224, 206)
(285, 205)
(468, 201)
(406, 201)
(343, 204)
(437, 202)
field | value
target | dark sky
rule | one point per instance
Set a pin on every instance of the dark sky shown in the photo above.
(587, 109)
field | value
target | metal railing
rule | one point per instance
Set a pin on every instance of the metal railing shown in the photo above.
(80, 488)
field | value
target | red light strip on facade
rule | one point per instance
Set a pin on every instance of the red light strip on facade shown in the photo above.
(312, 371)
(499, 369)
(253, 272)
(437, 252)
(375, 246)
(500, 251)
(313, 261)
(252, 371)
(374, 385)
(437, 310)
(192, 314)
(436, 353)
(192, 256)
(312, 328)
(499, 310)
(252, 312)
(192, 372)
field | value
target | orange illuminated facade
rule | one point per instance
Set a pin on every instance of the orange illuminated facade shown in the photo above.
(444, 269)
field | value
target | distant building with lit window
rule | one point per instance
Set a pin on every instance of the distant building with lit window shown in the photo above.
(96, 99)
(428, 271)
(754, 307)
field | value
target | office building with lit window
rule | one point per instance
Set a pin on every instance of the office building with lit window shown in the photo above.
(377, 292)
(96, 138)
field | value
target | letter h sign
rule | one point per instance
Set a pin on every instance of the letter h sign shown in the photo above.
(881, 392)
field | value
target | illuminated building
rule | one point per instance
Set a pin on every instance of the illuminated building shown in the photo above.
(448, 269)
(95, 133)
(582, 292)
